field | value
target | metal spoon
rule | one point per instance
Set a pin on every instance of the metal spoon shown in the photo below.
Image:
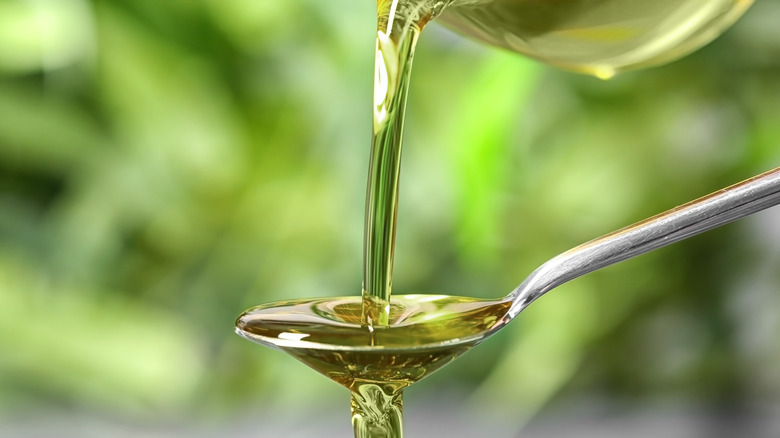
(281, 325)
(703, 214)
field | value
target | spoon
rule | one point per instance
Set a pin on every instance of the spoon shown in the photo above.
(450, 325)
(700, 215)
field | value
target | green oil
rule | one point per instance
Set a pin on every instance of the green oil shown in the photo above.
(399, 26)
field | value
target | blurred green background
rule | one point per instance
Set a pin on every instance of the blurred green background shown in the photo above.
(165, 165)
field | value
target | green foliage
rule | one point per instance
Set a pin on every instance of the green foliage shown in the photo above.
(164, 165)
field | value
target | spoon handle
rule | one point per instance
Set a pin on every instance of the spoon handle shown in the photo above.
(703, 214)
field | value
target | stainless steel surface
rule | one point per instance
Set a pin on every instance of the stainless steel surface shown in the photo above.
(703, 214)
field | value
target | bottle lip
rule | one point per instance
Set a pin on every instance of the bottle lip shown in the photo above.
(692, 28)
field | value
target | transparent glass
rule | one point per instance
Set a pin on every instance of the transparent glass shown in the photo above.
(598, 37)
